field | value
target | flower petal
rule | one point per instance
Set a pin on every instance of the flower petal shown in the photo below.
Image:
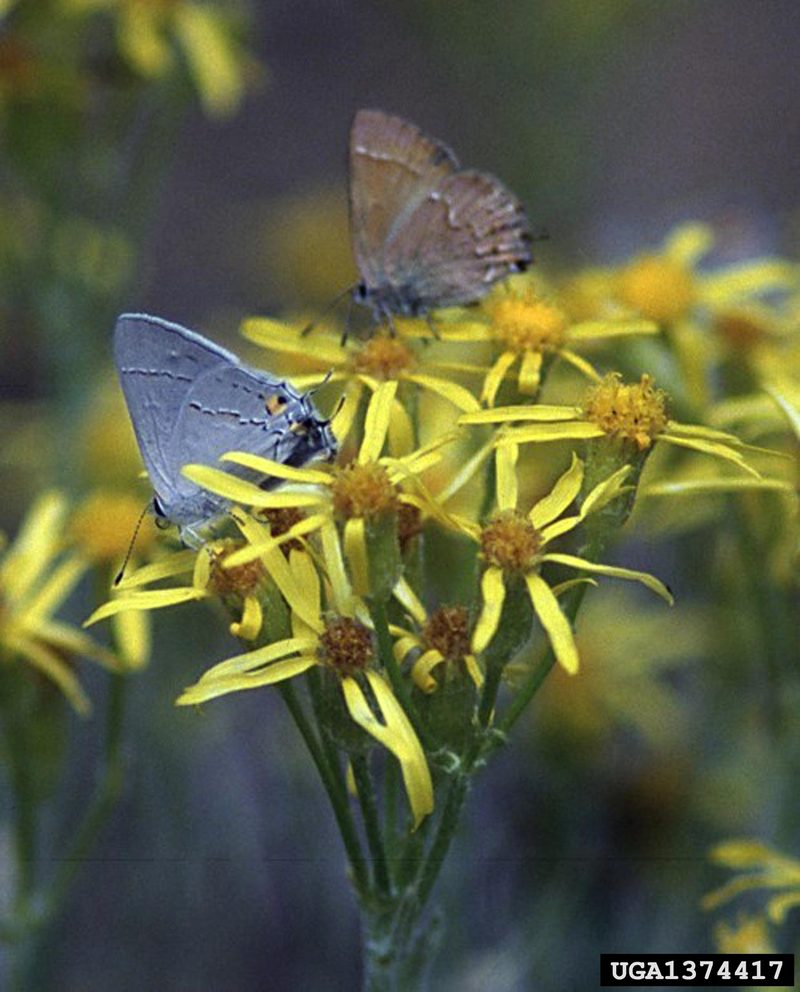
(344, 418)
(612, 570)
(422, 668)
(255, 660)
(521, 412)
(401, 431)
(560, 496)
(606, 491)
(711, 448)
(408, 599)
(179, 563)
(598, 330)
(506, 481)
(493, 594)
(397, 735)
(376, 422)
(150, 599)
(689, 242)
(580, 363)
(556, 625)
(249, 627)
(286, 338)
(474, 670)
(277, 470)
(355, 552)
(342, 593)
(202, 691)
(132, 634)
(495, 376)
(451, 391)
(573, 431)
(54, 590)
(253, 551)
(246, 493)
(530, 373)
(55, 669)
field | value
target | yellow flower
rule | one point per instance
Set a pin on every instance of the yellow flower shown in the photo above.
(759, 867)
(340, 641)
(150, 33)
(514, 546)
(749, 935)
(34, 582)
(362, 366)
(530, 329)
(361, 495)
(631, 412)
(443, 639)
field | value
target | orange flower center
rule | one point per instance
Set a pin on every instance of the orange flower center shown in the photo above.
(524, 322)
(635, 411)
(447, 630)
(242, 580)
(409, 524)
(363, 491)
(510, 541)
(281, 519)
(383, 357)
(345, 645)
(657, 287)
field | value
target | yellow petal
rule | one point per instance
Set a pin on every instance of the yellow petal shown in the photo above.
(711, 448)
(422, 668)
(253, 551)
(285, 338)
(255, 660)
(202, 691)
(495, 376)
(214, 63)
(397, 736)
(34, 546)
(55, 590)
(556, 625)
(693, 487)
(688, 243)
(376, 422)
(611, 570)
(342, 594)
(465, 330)
(597, 330)
(175, 564)
(530, 373)
(606, 491)
(451, 391)
(493, 593)
(560, 496)
(277, 470)
(403, 646)
(66, 638)
(574, 431)
(581, 364)
(762, 276)
(249, 627)
(302, 599)
(401, 431)
(355, 551)
(150, 599)
(241, 491)
(506, 480)
(56, 670)
(132, 633)
(466, 473)
(345, 416)
(408, 599)
(509, 414)
(474, 670)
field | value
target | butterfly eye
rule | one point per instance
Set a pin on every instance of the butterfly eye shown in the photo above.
(361, 291)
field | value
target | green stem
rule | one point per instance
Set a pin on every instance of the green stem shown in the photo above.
(372, 826)
(445, 833)
(336, 794)
(380, 619)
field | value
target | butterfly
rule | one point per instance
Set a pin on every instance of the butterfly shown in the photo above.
(426, 233)
(191, 401)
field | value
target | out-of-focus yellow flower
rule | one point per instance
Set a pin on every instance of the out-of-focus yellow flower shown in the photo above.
(632, 412)
(363, 366)
(759, 867)
(514, 544)
(34, 582)
(748, 935)
(339, 641)
(107, 452)
(530, 329)
(152, 33)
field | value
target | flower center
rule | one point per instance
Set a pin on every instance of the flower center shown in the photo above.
(409, 524)
(363, 491)
(447, 630)
(383, 357)
(242, 580)
(510, 541)
(658, 288)
(104, 525)
(345, 645)
(636, 411)
(281, 519)
(524, 322)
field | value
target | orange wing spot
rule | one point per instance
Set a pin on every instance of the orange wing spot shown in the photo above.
(275, 404)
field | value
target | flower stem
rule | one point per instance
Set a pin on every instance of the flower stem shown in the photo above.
(372, 825)
(336, 793)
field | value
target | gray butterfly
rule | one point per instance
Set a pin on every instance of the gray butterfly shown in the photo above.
(192, 401)
(426, 233)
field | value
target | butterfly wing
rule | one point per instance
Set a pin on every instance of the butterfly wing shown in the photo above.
(461, 237)
(393, 167)
(158, 362)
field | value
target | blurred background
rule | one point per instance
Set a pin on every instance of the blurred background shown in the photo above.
(194, 167)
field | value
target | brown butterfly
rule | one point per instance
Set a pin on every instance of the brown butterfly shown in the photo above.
(425, 232)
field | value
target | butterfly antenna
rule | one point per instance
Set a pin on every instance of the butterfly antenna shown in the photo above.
(323, 382)
(129, 552)
(348, 291)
